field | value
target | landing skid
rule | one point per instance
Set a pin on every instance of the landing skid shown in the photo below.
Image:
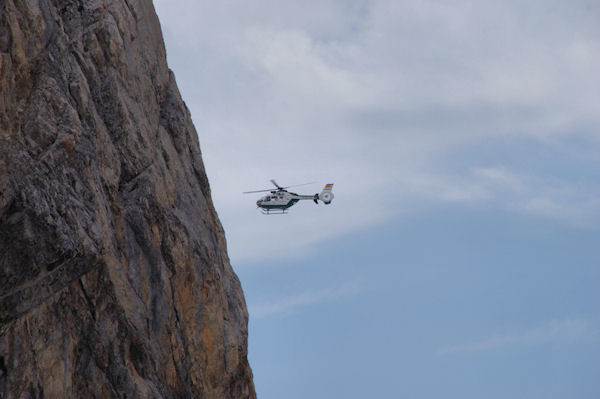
(273, 211)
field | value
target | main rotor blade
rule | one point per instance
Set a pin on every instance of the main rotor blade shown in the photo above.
(303, 184)
(258, 191)
(277, 185)
(295, 185)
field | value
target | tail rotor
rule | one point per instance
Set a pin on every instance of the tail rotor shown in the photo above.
(326, 195)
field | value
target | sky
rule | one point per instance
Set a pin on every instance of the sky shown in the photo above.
(460, 255)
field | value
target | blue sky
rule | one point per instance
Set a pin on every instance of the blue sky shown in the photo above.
(459, 257)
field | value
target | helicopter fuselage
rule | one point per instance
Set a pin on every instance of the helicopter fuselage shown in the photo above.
(278, 199)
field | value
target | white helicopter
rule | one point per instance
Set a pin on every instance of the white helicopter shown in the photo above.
(279, 200)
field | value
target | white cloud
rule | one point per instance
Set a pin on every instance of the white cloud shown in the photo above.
(558, 331)
(299, 67)
(291, 303)
(381, 98)
(540, 196)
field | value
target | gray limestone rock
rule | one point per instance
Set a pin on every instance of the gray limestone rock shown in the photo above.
(114, 275)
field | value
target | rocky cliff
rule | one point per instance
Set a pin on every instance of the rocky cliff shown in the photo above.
(114, 275)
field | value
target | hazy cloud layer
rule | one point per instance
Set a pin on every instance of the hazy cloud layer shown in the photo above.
(291, 303)
(399, 103)
(558, 331)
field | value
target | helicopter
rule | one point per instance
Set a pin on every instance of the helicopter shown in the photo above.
(279, 200)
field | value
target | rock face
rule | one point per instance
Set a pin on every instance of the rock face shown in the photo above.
(114, 275)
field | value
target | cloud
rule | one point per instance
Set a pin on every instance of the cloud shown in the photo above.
(536, 195)
(393, 101)
(558, 331)
(310, 298)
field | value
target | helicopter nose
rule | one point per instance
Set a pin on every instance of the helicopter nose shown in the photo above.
(258, 202)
